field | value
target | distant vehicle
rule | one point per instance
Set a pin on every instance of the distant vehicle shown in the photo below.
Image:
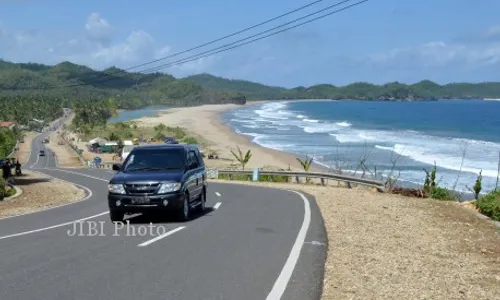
(126, 150)
(158, 178)
(42, 152)
(170, 140)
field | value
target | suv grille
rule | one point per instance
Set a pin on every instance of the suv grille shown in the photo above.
(144, 188)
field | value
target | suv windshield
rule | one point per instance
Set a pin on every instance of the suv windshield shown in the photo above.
(162, 159)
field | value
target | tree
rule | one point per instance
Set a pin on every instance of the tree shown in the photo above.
(306, 165)
(242, 159)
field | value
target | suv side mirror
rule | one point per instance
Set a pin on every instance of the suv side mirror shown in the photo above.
(117, 167)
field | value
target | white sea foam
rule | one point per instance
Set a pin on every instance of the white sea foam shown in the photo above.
(275, 119)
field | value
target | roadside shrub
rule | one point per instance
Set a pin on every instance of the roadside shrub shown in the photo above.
(440, 193)
(190, 140)
(489, 205)
(10, 192)
(2, 187)
(436, 192)
(262, 178)
(273, 178)
(478, 186)
(177, 132)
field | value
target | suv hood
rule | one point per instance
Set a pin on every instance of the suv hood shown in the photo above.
(122, 177)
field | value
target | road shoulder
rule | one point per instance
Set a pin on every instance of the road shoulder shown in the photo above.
(307, 279)
(40, 192)
(383, 246)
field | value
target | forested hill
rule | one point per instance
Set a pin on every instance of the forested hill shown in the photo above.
(130, 90)
(423, 90)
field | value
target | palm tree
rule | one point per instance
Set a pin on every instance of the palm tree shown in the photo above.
(306, 165)
(242, 159)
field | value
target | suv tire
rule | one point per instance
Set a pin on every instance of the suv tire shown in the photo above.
(184, 213)
(203, 202)
(116, 216)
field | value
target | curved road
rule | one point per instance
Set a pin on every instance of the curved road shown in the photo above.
(254, 243)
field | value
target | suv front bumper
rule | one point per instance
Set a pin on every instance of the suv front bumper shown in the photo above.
(175, 201)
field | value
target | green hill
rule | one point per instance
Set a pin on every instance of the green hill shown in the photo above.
(131, 90)
(27, 91)
(423, 90)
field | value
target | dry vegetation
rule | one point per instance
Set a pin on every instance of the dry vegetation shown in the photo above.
(385, 246)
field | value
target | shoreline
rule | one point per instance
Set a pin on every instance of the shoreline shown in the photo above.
(206, 123)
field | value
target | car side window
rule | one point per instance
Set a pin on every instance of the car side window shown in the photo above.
(188, 161)
(200, 158)
(193, 160)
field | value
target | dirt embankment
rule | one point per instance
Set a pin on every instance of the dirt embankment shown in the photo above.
(24, 152)
(393, 247)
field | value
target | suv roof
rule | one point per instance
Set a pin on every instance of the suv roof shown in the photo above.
(166, 146)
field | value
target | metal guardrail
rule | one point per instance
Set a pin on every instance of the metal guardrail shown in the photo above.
(215, 173)
(297, 175)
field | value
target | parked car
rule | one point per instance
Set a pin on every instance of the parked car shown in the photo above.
(42, 153)
(126, 151)
(159, 178)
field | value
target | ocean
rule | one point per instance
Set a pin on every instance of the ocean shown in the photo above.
(398, 137)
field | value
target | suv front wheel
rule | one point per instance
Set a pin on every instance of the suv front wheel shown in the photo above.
(116, 216)
(203, 202)
(184, 212)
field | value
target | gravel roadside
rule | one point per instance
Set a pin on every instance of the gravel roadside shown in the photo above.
(393, 247)
(39, 192)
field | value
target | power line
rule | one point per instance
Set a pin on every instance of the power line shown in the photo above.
(227, 36)
(228, 46)
(212, 41)
(186, 60)
(250, 40)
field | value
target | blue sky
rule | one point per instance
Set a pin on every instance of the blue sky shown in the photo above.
(378, 41)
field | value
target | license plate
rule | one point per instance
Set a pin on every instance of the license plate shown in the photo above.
(140, 200)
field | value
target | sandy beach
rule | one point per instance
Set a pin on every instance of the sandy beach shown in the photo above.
(381, 246)
(206, 124)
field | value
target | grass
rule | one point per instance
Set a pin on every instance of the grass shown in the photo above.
(489, 205)
(130, 130)
(262, 178)
(10, 192)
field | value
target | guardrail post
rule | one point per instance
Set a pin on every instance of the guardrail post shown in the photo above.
(255, 175)
(323, 181)
(297, 179)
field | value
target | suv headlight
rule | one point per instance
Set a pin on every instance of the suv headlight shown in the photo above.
(167, 187)
(116, 188)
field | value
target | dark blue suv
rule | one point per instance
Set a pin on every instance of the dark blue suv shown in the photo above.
(159, 178)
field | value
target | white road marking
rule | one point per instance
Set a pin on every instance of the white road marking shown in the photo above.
(36, 161)
(217, 194)
(89, 194)
(161, 236)
(51, 227)
(81, 174)
(47, 160)
(217, 205)
(281, 283)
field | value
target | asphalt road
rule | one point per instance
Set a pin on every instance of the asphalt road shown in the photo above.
(253, 243)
